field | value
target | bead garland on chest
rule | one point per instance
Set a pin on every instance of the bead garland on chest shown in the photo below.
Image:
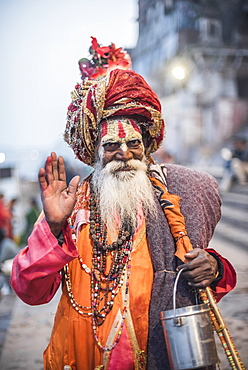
(106, 281)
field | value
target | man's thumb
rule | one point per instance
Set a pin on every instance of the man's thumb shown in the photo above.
(72, 187)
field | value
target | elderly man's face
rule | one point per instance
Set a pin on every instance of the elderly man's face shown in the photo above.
(121, 140)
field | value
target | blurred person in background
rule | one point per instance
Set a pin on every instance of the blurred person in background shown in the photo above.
(235, 164)
(239, 161)
(30, 219)
(7, 215)
(8, 250)
(11, 218)
(3, 213)
(116, 240)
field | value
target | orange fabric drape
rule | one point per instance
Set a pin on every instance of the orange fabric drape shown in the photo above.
(175, 220)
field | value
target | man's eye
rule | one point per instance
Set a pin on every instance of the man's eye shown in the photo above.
(111, 146)
(134, 143)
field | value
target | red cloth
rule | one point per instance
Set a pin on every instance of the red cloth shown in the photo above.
(122, 357)
(229, 279)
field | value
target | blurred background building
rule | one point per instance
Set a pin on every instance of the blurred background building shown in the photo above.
(195, 55)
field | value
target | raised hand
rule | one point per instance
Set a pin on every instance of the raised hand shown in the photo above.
(58, 199)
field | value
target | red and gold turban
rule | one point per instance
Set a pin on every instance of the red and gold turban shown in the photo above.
(119, 93)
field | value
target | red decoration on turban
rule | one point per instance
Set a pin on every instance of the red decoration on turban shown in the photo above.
(103, 59)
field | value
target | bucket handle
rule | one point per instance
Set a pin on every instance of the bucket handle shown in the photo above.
(175, 319)
(174, 295)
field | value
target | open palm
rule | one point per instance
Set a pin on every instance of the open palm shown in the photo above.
(58, 199)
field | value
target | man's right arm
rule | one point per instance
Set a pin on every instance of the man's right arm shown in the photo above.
(36, 273)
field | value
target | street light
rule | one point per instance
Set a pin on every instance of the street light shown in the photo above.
(180, 69)
(178, 72)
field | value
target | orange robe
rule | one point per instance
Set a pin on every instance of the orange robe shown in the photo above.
(72, 341)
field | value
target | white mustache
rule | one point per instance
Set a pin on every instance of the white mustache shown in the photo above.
(132, 164)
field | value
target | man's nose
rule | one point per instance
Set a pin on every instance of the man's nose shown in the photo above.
(124, 154)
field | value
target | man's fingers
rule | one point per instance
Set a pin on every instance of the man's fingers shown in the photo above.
(42, 179)
(192, 254)
(72, 187)
(194, 258)
(54, 166)
(49, 168)
(202, 284)
(61, 169)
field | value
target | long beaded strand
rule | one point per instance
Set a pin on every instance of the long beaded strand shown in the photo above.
(105, 285)
(106, 282)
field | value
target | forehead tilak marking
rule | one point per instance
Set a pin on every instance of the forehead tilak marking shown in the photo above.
(121, 129)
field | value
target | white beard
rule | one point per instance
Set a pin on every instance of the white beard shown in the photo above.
(121, 192)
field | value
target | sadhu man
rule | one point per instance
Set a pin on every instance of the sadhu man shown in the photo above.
(115, 239)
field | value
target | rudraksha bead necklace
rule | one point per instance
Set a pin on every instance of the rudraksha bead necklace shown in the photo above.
(105, 282)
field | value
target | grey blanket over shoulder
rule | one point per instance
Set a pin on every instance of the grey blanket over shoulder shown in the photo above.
(200, 205)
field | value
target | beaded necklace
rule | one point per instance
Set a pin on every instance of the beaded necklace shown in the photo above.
(105, 282)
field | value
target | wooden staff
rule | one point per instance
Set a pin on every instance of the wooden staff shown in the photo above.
(231, 352)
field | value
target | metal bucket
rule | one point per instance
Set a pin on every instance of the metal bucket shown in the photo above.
(189, 335)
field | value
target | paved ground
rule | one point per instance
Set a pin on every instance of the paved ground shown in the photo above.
(25, 330)
(27, 336)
